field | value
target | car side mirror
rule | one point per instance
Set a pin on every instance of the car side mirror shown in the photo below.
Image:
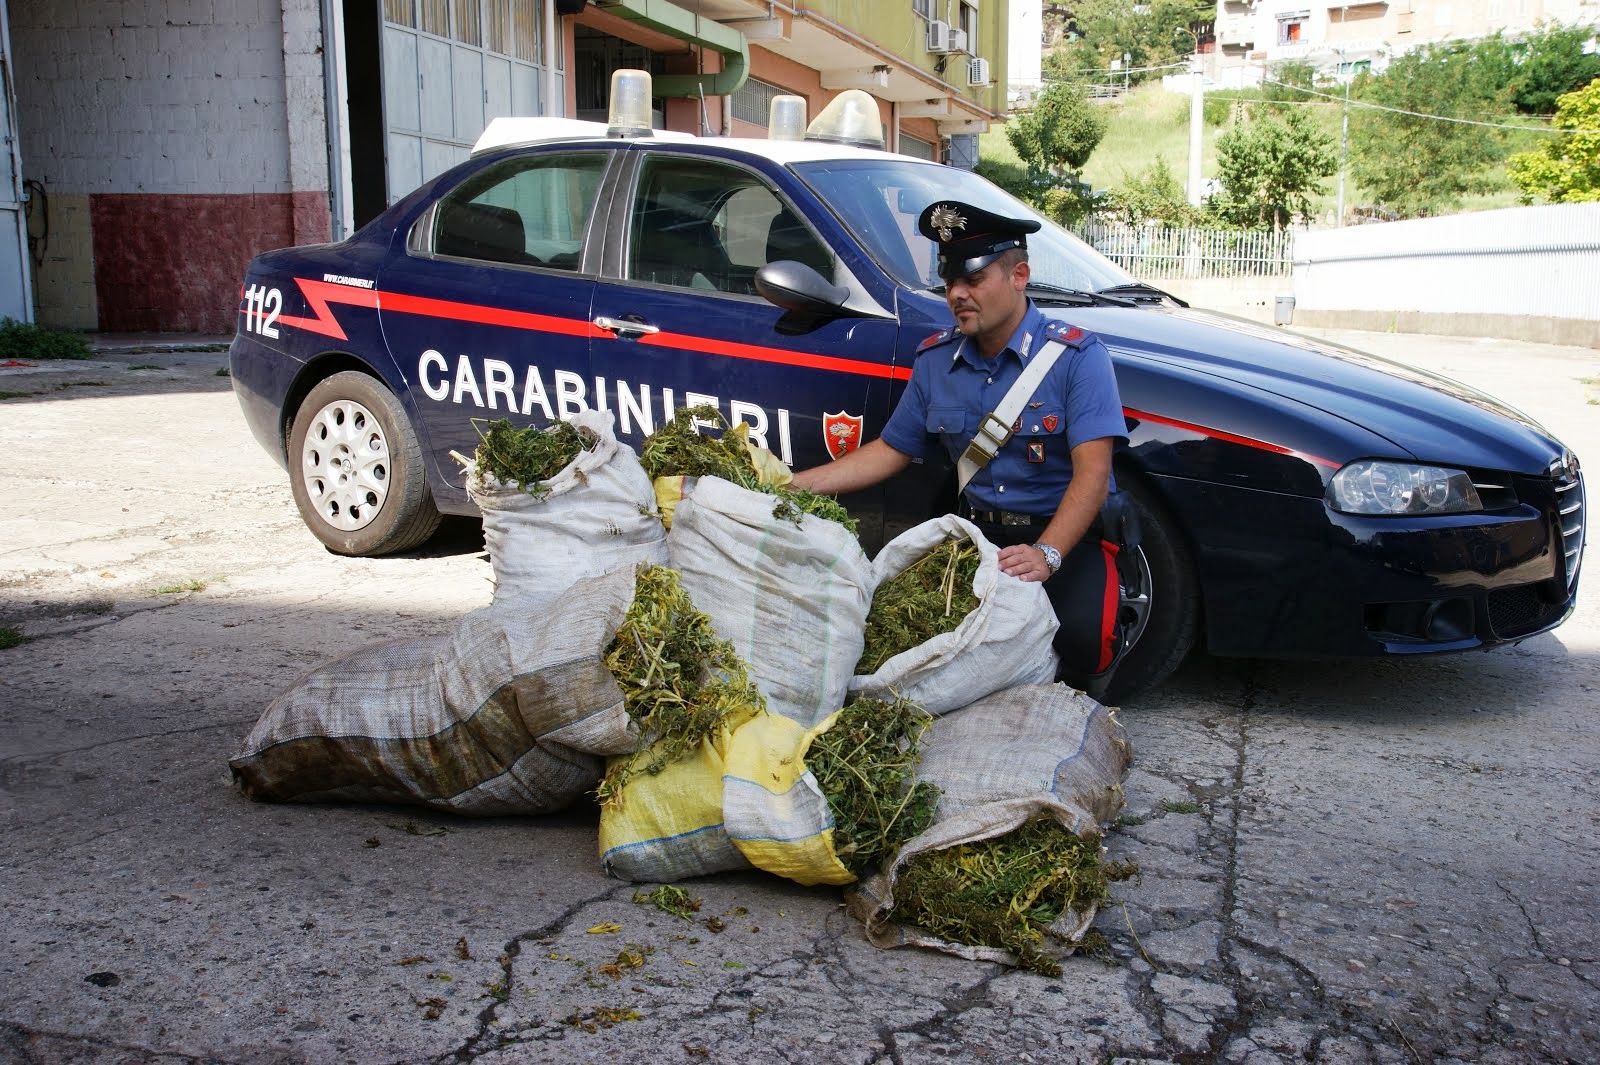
(794, 286)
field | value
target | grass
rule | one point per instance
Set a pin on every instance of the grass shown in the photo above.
(14, 395)
(222, 371)
(194, 584)
(147, 366)
(11, 636)
(1151, 121)
(30, 342)
(1173, 807)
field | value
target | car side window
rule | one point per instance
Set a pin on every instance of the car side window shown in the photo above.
(528, 211)
(705, 225)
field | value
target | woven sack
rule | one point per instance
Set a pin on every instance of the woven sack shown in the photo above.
(1035, 750)
(594, 516)
(1004, 642)
(790, 595)
(512, 712)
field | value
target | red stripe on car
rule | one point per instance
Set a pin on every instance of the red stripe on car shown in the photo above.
(1232, 438)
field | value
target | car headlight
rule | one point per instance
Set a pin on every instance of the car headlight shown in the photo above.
(1375, 487)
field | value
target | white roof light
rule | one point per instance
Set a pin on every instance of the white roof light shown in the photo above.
(852, 118)
(788, 121)
(630, 104)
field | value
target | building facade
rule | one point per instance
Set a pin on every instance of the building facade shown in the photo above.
(1252, 35)
(162, 143)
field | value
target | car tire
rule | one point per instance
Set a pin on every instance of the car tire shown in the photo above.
(1172, 623)
(356, 469)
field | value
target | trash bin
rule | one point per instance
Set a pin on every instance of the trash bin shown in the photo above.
(1282, 310)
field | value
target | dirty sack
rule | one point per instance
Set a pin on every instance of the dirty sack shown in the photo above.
(596, 515)
(1002, 643)
(790, 593)
(512, 712)
(1032, 751)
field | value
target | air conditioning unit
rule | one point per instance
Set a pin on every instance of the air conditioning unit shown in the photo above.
(958, 40)
(977, 72)
(938, 36)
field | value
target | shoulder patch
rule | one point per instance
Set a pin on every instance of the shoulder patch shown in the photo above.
(935, 340)
(1067, 334)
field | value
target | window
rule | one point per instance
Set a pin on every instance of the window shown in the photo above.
(968, 23)
(400, 12)
(710, 226)
(523, 212)
(918, 148)
(1291, 28)
(753, 101)
(923, 7)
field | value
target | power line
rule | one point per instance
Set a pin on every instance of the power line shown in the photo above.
(1419, 114)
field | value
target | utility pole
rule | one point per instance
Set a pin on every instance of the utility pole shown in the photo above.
(1344, 136)
(1197, 107)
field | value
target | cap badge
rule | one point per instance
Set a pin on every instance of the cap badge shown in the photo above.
(945, 221)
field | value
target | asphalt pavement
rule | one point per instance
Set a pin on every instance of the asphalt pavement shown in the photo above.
(1341, 862)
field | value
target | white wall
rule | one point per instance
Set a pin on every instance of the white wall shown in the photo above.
(182, 96)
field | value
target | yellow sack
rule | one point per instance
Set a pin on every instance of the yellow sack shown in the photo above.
(772, 808)
(770, 469)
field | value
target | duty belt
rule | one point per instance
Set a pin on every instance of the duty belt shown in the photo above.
(1005, 517)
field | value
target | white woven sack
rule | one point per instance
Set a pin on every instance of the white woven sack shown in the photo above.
(1040, 749)
(511, 712)
(791, 597)
(596, 515)
(1005, 641)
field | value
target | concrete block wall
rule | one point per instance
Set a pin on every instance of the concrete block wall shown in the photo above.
(195, 130)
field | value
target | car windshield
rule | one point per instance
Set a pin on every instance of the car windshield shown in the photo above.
(879, 201)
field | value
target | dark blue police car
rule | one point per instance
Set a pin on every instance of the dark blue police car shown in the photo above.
(1297, 498)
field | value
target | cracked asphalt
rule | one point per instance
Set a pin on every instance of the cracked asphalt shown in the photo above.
(1342, 862)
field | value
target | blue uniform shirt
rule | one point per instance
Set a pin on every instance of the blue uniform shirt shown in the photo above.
(952, 387)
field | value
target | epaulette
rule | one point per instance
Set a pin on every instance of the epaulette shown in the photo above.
(937, 339)
(1067, 334)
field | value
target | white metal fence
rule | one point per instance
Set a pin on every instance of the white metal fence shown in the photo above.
(1157, 252)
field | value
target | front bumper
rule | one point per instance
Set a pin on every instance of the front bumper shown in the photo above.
(1285, 576)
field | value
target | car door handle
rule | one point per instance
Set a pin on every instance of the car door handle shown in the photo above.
(618, 325)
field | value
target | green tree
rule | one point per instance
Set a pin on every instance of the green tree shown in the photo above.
(1152, 196)
(1539, 67)
(1418, 165)
(1057, 134)
(1270, 167)
(1146, 31)
(1567, 169)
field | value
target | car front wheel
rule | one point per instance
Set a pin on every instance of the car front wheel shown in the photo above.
(356, 469)
(1161, 610)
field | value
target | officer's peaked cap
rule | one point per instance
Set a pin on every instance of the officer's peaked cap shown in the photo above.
(969, 237)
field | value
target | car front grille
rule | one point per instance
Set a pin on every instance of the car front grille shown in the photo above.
(1516, 612)
(1569, 507)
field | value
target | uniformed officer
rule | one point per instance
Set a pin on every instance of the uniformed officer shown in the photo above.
(1039, 497)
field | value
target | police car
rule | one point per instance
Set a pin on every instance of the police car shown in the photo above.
(1297, 498)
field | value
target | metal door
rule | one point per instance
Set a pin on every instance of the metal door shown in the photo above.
(16, 289)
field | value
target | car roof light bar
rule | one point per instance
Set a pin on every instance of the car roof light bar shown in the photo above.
(788, 121)
(630, 104)
(852, 118)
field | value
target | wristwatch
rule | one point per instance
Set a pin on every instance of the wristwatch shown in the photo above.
(1052, 557)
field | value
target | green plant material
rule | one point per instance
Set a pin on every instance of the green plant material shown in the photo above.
(601, 1017)
(147, 366)
(63, 386)
(11, 636)
(669, 898)
(411, 828)
(527, 456)
(14, 395)
(194, 584)
(30, 342)
(1175, 807)
(1059, 132)
(1006, 891)
(222, 371)
(865, 764)
(680, 682)
(931, 596)
(1272, 167)
(680, 449)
